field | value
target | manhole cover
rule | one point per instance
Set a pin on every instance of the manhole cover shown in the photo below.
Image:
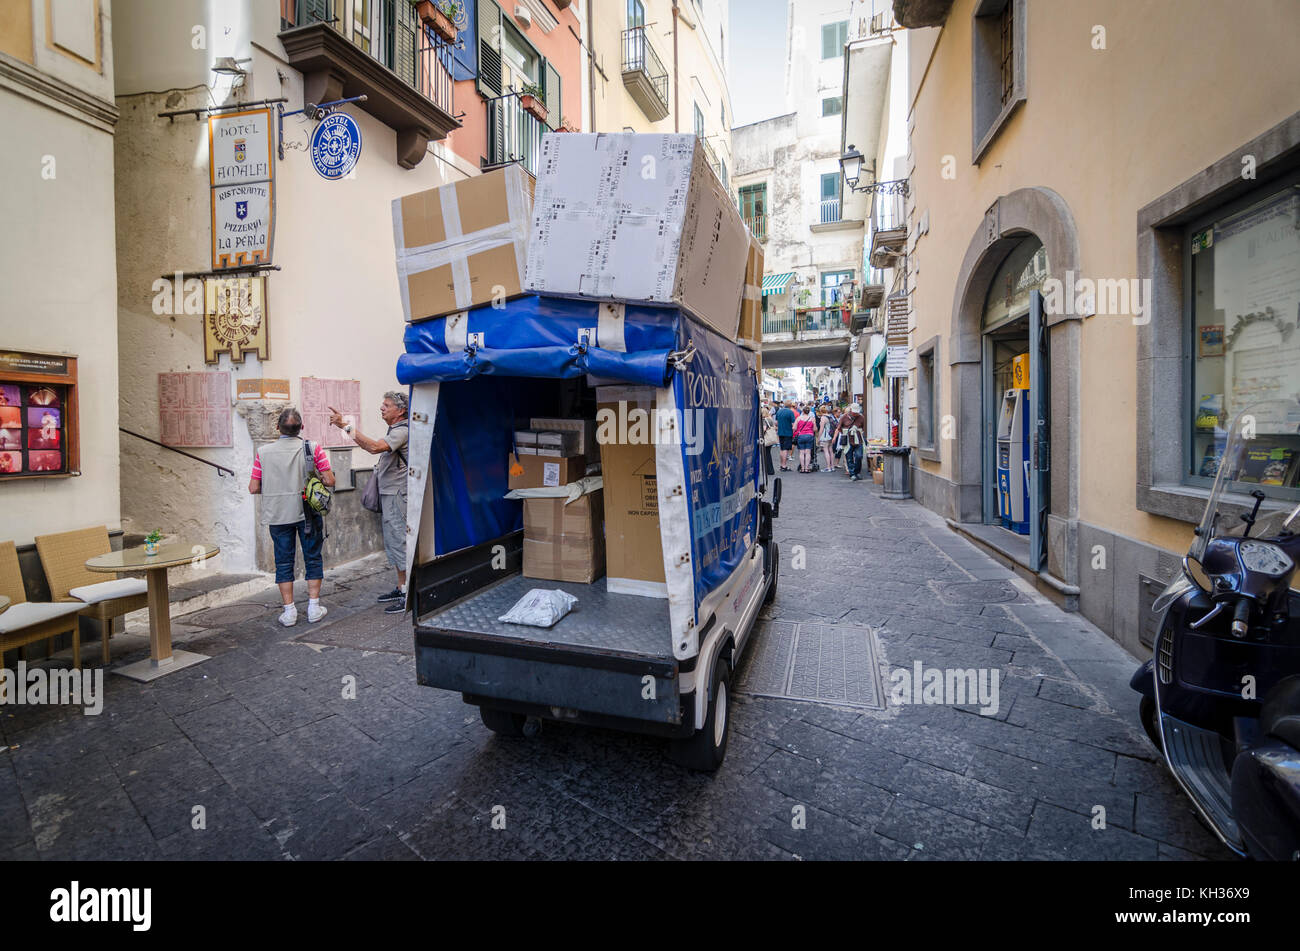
(370, 630)
(819, 663)
(223, 616)
(976, 592)
(897, 524)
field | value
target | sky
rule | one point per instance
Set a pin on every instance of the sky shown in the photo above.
(756, 59)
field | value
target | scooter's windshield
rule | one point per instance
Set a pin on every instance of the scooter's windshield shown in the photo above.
(1257, 451)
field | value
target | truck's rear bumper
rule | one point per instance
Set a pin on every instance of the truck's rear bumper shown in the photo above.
(488, 669)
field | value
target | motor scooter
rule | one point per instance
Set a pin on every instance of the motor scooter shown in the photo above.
(1221, 695)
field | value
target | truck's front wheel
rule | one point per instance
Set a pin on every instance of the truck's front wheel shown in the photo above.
(704, 750)
(502, 721)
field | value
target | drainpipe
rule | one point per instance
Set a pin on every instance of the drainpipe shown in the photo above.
(591, 69)
(677, 112)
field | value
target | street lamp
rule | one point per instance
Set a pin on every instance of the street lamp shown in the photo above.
(851, 164)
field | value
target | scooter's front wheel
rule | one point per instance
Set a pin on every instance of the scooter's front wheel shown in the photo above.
(1148, 713)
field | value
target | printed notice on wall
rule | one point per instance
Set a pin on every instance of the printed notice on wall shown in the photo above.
(318, 395)
(194, 409)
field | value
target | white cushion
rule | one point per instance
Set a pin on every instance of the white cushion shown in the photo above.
(107, 590)
(27, 613)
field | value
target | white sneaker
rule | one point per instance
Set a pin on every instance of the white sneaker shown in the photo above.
(289, 616)
(316, 613)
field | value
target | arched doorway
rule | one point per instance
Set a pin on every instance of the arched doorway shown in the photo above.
(1026, 236)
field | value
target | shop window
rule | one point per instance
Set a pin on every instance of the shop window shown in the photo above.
(1244, 349)
(997, 69)
(834, 36)
(38, 415)
(925, 397)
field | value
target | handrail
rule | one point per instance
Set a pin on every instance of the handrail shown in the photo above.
(206, 462)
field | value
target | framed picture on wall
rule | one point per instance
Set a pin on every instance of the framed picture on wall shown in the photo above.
(1211, 341)
(38, 415)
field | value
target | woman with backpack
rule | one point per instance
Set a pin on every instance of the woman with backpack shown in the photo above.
(826, 424)
(805, 432)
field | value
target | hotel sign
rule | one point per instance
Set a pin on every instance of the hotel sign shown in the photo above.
(242, 179)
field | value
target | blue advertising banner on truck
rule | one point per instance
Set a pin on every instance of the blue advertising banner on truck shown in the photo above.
(718, 397)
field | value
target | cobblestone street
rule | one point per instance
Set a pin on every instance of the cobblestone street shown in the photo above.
(261, 737)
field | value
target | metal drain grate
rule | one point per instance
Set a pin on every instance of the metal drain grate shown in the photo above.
(976, 592)
(896, 524)
(819, 663)
(229, 614)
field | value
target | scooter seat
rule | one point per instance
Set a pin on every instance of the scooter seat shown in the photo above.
(1280, 715)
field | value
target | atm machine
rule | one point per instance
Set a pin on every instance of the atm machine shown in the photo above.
(1013, 461)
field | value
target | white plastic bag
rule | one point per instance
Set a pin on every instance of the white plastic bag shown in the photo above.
(540, 607)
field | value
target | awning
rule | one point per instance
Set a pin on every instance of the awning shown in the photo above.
(878, 368)
(776, 283)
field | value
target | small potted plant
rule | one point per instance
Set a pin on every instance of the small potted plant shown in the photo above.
(530, 98)
(440, 17)
(567, 125)
(151, 542)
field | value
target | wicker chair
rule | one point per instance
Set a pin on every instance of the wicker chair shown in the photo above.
(25, 622)
(64, 555)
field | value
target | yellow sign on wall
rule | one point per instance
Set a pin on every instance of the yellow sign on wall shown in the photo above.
(1020, 371)
(234, 318)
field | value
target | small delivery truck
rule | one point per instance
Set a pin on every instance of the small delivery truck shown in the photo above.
(651, 644)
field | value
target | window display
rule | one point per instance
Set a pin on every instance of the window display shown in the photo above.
(1246, 306)
(38, 416)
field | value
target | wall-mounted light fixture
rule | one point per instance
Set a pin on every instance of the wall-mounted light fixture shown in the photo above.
(851, 166)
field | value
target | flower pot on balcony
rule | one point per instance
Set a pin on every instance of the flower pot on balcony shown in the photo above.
(431, 16)
(533, 106)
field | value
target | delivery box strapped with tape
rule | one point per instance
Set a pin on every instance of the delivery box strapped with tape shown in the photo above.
(750, 334)
(634, 559)
(565, 541)
(463, 244)
(637, 217)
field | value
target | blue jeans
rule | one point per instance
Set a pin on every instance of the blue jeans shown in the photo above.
(311, 533)
(853, 460)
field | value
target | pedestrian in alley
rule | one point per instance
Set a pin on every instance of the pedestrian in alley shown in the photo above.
(805, 430)
(785, 417)
(391, 473)
(280, 472)
(826, 432)
(852, 428)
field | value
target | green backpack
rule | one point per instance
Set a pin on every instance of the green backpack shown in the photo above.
(316, 495)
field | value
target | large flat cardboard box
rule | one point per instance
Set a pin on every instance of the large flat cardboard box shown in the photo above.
(634, 559)
(463, 244)
(564, 542)
(750, 334)
(637, 217)
(585, 428)
(544, 471)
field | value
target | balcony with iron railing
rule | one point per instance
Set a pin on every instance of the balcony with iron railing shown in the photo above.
(514, 134)
(644, 74)
(830, 210)
(380, 50)
(888, 222)
(757, 224)
(806, 323)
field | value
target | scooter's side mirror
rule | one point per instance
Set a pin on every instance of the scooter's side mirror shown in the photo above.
(1192, 568)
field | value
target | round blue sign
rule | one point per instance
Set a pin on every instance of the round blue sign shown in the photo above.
(336, 145)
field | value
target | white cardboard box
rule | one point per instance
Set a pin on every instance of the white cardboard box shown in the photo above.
(637, 217)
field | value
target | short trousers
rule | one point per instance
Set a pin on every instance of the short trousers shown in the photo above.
(806, 441)
(394, 519)
(786, 441)
(282, 537)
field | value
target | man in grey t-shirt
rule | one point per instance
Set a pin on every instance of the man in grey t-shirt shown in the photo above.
(391, 473)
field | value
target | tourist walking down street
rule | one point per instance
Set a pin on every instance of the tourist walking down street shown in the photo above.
(826, 432)
(785, 432)
(805, 430)
(391, 473)
(280, 472)
(852, 427)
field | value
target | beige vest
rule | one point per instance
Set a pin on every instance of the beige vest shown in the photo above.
(284, 473)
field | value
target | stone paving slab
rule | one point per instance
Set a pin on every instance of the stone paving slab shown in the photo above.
(316, 742)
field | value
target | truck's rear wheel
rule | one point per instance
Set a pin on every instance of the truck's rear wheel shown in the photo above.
(502, 721)
(704, 750)
(775, 554)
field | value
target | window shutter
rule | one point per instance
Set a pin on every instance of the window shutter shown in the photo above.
(407, 30)
(554, 102)
(489, 48)
(314, 10)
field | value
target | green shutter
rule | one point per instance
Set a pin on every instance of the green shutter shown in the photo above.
(554, 102)
(407, 32)
(310, 11)
(489, 48)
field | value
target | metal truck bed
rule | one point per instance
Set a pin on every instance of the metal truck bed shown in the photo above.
(607, 623)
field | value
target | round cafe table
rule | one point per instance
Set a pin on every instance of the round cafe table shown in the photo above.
(170, 554)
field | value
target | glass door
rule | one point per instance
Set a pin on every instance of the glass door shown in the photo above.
(1039, 449)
